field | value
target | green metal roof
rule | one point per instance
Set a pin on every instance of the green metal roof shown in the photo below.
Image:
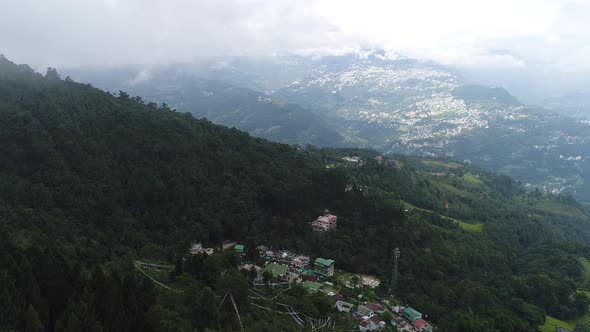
(276, 269)
(324, 262)
(412, 314)
(239, 247)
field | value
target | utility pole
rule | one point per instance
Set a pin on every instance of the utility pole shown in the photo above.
(394, 279)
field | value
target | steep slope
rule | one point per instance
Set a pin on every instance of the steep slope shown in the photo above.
(222, 103)
(91, 182)
(395, 106)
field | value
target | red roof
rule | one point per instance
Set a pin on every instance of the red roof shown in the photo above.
(327, 219)
(419, 323)
(338, 297)
(379, 158)
(374, 306)
(376, 319)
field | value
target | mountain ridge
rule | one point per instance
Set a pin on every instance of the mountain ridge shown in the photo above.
(95, 182)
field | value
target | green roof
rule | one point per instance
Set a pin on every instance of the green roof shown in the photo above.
(239, 247)
(276, 269)
(324, 262)
(412, 314)
(311, 285)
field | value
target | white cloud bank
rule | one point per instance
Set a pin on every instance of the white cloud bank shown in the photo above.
(472, 33)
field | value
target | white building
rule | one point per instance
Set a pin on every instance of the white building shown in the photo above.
(324, 223)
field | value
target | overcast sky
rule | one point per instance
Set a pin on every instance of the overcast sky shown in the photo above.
(519, 35)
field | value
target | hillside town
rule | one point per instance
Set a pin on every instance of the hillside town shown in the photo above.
(283, 268)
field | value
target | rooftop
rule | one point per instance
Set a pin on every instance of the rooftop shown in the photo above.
(329, 218)
(412, 314)
(344, 306)
(374, 306)
(324, 262)
(419, 323)
(239, 247)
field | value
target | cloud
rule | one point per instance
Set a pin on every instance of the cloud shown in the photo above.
(72, 32)
(549, 33)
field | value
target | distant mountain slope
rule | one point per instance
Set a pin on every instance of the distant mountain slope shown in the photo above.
(405, 106)
(573, 104)
(222, 103)
(395, 106)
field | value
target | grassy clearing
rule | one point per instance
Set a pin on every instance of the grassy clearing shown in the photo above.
(478, 227)
(439, 163)
(470, 227)
(551, 323)
(472, 179)
(450, 188)
(467, 226)
(410, 206)
(560, 209)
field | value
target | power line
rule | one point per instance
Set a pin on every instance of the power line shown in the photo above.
(394, 279)
(138, 267)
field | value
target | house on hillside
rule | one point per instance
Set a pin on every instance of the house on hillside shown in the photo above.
(228, 244)
(324, 223)
(337, 297)
(285, 257)
(197, 248)
(376, 307)
(421, 325)
(353, 161)
(324, 267)
(240, 249)
(374, 323)
(270, 255)
(364, 311)
(300, 261)
(344, 306)
(261, 250)
(411, 314)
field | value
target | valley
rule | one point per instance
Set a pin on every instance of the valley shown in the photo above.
(394, 106)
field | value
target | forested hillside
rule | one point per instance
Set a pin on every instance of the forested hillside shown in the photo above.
(254, 112)
(401, 106)
(91, 182)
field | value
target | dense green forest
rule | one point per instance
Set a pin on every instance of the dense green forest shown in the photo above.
(91, 182)
(251, 111)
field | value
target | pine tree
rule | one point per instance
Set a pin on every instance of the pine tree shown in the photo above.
(32, 321)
